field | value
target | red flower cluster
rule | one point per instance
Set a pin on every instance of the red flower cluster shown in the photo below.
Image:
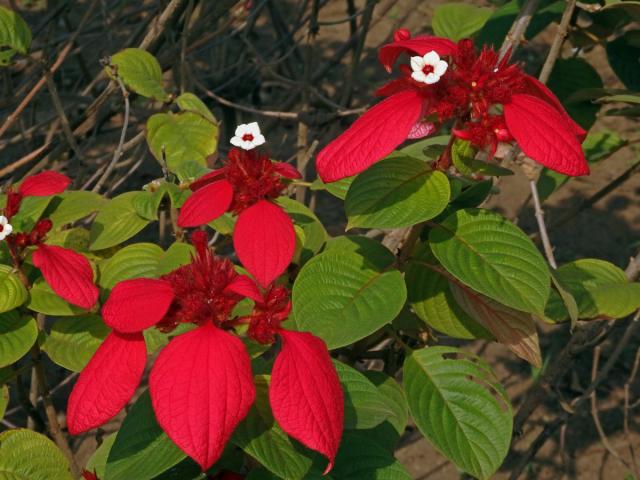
(488, 100)
(264, 238)
(68, 273)
(201, 384)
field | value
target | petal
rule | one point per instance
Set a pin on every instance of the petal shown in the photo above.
(206, 204)
(252, 128)
(201, 388)
(373, 136)
(417, 63)
(259, 140)
(432, 78)
(419, 77)
(137, 304)
(441, 68)
(236, 141)
(243, 285)
(68, 273)
(305, 394)
(207, 179)
(431, 58)
(544, 135)
(286, 170)
(265, 241)
(419, 45)
(44, 184)
(538, 89)
(108, 381)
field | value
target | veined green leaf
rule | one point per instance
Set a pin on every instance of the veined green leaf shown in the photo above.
(25, 454)
(140, 72)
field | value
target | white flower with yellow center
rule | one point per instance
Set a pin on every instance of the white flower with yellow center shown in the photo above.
(248, 136)
(5, 227)
(428, 68)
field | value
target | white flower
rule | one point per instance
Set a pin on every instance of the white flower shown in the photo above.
(248, 136)
(5, 227)
(428, 69)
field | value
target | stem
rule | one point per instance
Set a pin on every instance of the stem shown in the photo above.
(544, 236)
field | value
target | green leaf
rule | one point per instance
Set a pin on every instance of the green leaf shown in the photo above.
(98, 460)
(396, 192)
(183, 137)
(12, 291)
(459, 20)
(315, 235)
(44, 300)
(343, 297)
(116, 222)
(140, 72)
(388, 432)
(76, 238)
(261, 437)
(375, 253)
(568, 300)
(569, 77)
(361, 457)
(364, 405)
(177, 254)
(599, 288)
(494, 257)
(224, 224)
(514, 329)
(337, 189)
(190, 103)
(73, 206)
(463, 157)
(146, 204)
(31, 209)
(72, 341)
(623, 57)
(460, 407)
(133, 261)
(141, 449)
(27, 455)
(433, 302)
(15, 35)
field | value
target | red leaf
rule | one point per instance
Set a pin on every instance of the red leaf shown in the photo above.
(286, 170)
(68, 273)
(543, 134)
(306, 395)
(374, 135)
(417, 45)
(207, 179)
(201, 388)
(540, 90)
(245, 286)
(44, 184)
(137, 304)
(265, 241)
(206, 204)
(108, 381)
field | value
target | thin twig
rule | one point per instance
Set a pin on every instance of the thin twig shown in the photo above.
(544, 236)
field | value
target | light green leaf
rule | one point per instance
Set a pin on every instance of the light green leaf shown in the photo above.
(375, 253)
(337, 189)
(183, 137)
(15, 35)
(31, 209)
(460, 407)
(177, 254)
(140, 72)
(27, 455)
(72, 341)
(343, 297)
(139, 260)
(396, 192)
(116, 222)
(463, 156)
(364, 405)
(314, 233)
(73, 206)
(141, 449)
(459, 20)
(190, 103)
(98, 460)
(44, 300)
(75, 238)
(146, 204)
(494, 257)
(12, 291)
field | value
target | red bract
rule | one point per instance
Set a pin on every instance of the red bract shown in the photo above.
(201, 384)
(264, 237)
(68, 273)
(470, 91)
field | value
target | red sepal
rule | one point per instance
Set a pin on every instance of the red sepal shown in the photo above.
(265, 241)
(44, 184)
(206, 204)
(68, 273)
(245, 286)
(201, 388)
(107, 383)
(417, 46)
(207, 179)
(305, 394)
(373, 136)
(137, 304)
(544, 136)
(286, 170)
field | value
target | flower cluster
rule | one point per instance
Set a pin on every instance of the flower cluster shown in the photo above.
(485, 98)
(201, 384)
(69, 274)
